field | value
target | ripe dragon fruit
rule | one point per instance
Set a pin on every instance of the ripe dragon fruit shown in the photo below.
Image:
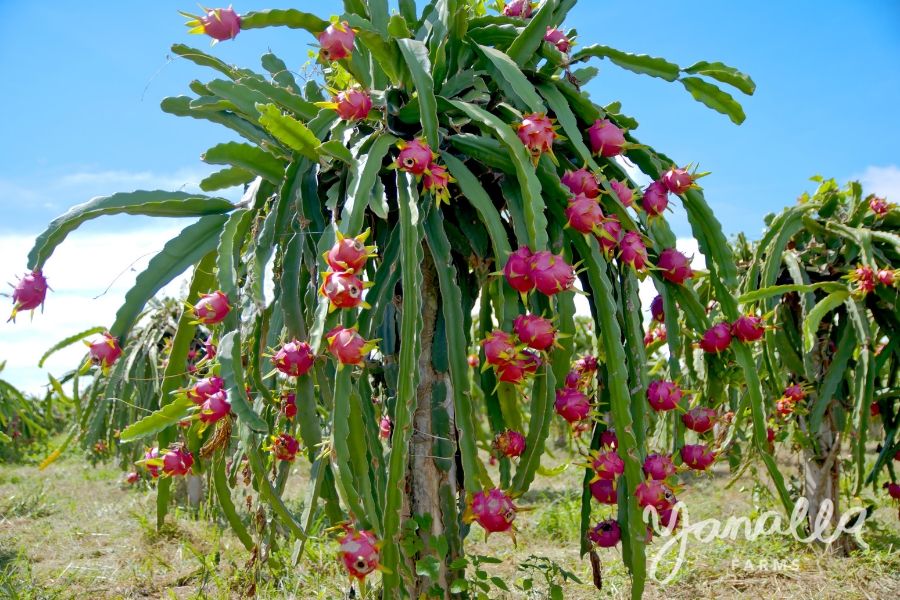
(347, 346)
(886, 277)
(518, 8)
(606, 139)
(209, 348)
(610, 233)
(581, 182)
(770, 435)
(663, 395)
(385, 427)
(518, 271)
(353, 104)
(558, 39)
(285, 447)
(537, 132)
(893, 490)
(152, 462)
(414, 157)
(289, 405)
(584, 214)
(605, 534)
(655, 199)
(212, 308)
(509, 443)
(604, 491)
(586, 364)
(513, 371)
(349, 253)
(499, 347)
(573, 380)
(700, 419)
(436, 180)
(608, 465)
(697, 456)
(748, 328)
(716, 339)
(572, 405)
(864, 277)
(675, 266)
(360, 552)
(215, 407)
(624, 193)
(177, 461)
(343, 290)
(659, 466)
(669, 518)
(218, 23)
(879, 206)
(677, 180)
(493, 510)
(794, 393)
(655, 493)
(632, 250)
(294, 358)
(784, 407)
(537, 332)
(104, 351)
(132, 477)
(608, 439)
(336, 42)
(29, 293)
(203, 389)
(473, 360)
(551, 273)
(657, 312)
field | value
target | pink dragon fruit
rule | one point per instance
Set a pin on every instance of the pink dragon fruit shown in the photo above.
(353, 104)
(794, 393)
(177, 461)
(584, 214)
(748, 328)
(697, 456)
(347, 346)
(573, 379)
(285, 447)
(770, 435)
(529, 360)
(29, 292)
(886, 277)
(581, 182)
(209, 349)
(716, 339)
(436, 180)
(655, 493)
(558, 39)
(879, 206)
(675, 266)
(218, 23)
(608, 439)
(657, 312)
(537, 332)
(509, 443)
(132, 477)
(152, 462)
(473, 361)
(518, 270)
(586, 364)
(289, 405)
(512, 371)
(493, 510)
(203, 389)
(677, 180)
(606, 139)
(700, 419)
(610, 233)
(294, 358)
(659, 466)
(572, 405)
(864, 277)
(414, 157)
(499, 347)
(551, 273)
(343, 289)
(655, 199)
(212, 308)
(518, 8)
(385, 427)
(669, 518)
(215, 407)
(336, 42)
(663, 395)
(632, 250)
(608, 465)
(349, 253)
(104, 351)
(625, 193)
(605, 534)
(604, 491)
(893, 489)
(537, 132)
(360, 552)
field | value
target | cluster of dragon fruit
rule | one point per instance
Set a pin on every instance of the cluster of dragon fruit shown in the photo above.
(513, 355)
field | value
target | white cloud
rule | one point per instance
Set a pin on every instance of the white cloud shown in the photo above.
(883, 181)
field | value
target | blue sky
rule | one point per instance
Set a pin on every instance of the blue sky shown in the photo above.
(82, 90)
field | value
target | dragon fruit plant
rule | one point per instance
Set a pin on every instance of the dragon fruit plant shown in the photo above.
(490, 189)
(829, 343)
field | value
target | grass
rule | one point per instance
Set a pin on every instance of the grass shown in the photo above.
(76, 531)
